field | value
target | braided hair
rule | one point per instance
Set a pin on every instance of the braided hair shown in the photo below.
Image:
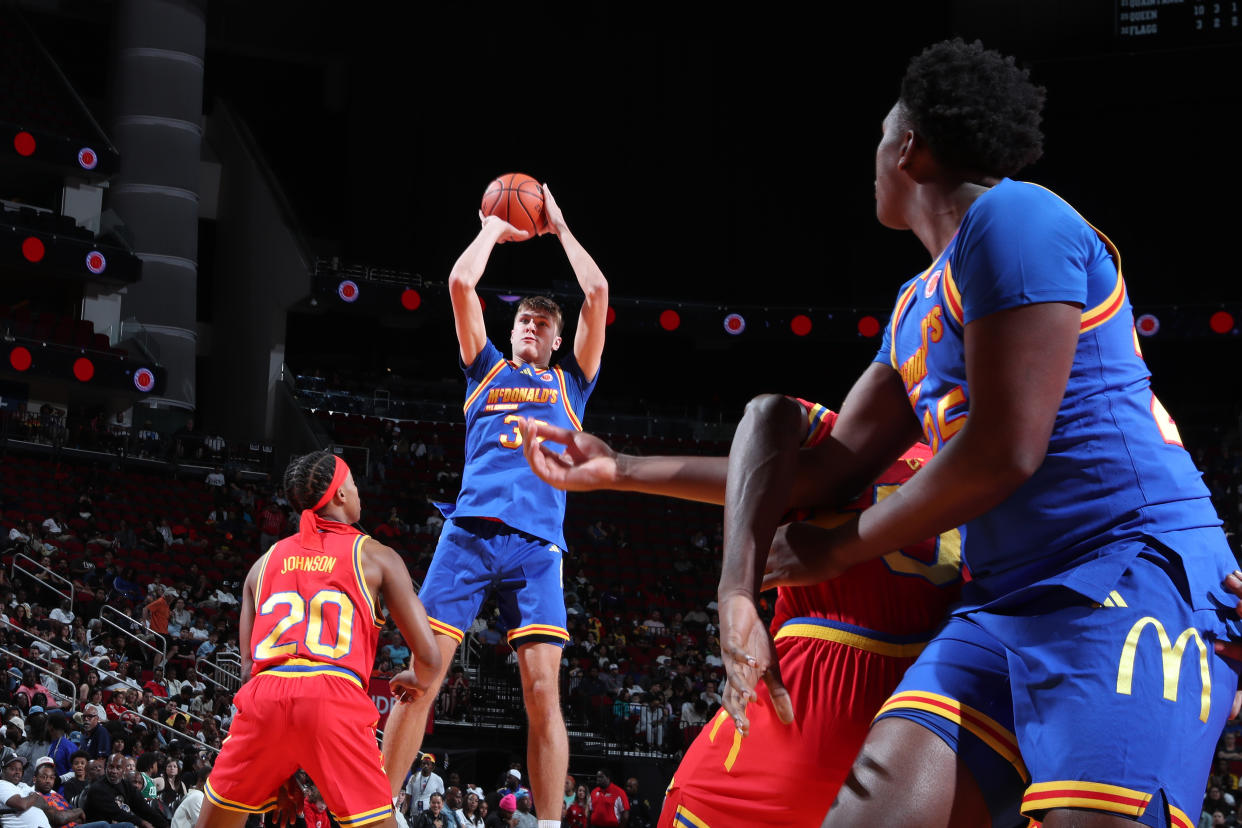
(976, 108)
(308, 477)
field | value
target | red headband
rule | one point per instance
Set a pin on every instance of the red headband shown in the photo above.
(311, 524)
(338, 479)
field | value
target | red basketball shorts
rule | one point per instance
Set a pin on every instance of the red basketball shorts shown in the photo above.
(289, 720)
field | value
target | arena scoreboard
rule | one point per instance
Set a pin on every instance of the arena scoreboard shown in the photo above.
(1170, 23)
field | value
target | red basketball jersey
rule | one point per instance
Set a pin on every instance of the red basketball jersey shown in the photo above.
(314, 614)
(907, 592)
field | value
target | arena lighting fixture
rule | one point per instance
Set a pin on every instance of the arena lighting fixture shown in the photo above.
(144, 380)
(800, 325)
(1147, 325)
(83, 369)
(33, 249)
(96, 262)
(88, 159)
(734, 324)
(347, 290)
(1221, 322)
(20, 358)
(410, 299)
(868, 326)
(670, 320)
(612, 316)
(24, 143)
(508, 297)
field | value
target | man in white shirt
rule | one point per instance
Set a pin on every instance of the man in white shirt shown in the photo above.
(422, 785)
(26, 803)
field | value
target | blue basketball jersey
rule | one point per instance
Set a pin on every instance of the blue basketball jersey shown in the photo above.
(1115, 466)
(496, 481)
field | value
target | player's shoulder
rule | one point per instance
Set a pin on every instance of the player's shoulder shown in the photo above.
(1020, 204)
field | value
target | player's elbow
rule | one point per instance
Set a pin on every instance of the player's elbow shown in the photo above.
(596, 293)
(461, 283)
(781, 414)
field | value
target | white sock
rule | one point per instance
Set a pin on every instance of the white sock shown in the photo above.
(549, 823)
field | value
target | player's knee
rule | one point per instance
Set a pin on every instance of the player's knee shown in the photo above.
(541, 692)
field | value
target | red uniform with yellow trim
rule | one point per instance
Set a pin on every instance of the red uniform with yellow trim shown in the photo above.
(843, 646)
(305, 706)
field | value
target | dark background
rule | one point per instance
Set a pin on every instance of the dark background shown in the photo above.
(707, 154)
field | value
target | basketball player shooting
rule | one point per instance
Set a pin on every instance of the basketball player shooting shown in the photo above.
(506, 527)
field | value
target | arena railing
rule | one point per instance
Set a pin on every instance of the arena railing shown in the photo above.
(124, 628)
(130, 683)
(220, 676)
(71, 698)
(32, 637)
(36, 567)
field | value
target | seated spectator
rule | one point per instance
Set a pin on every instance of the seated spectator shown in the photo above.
(59, 813)
(186, 815)
(77, 781)
(112, 799)
(96, 740)
(1221, 777)
(25, 805)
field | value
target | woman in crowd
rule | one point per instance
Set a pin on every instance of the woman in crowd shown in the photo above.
(169, 787)
(578, 814)
(468, 814)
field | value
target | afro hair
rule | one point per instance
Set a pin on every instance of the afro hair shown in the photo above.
(978, 111)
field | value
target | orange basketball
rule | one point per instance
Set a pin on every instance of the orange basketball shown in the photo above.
(518, 199)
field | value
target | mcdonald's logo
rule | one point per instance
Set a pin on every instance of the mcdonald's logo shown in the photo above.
(1170, 659)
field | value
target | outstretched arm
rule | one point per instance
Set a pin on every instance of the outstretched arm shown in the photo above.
(589, 464)
(592, 319)
(467, 270)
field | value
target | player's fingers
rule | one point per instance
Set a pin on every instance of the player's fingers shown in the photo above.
(1229, 649)
(555, 434)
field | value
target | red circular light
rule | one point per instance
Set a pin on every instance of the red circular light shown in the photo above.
(410, 300)
(20, 358)
(83, 369)
(33, 249)
(144, 380)
(1147, 325)
(612, 316)
(669, 320)
(482, 304)
(96, 262)
(800, 325)
(24, 143)
(1221, 322)
(734, 324)
(868, 326)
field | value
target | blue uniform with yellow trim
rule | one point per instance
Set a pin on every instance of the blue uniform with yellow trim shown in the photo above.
(505, 532)
(843, 645)
(1093, 580)
(306, 704)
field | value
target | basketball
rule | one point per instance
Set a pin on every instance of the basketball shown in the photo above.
(518, 199)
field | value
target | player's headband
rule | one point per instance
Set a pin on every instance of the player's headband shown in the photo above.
(338, 479)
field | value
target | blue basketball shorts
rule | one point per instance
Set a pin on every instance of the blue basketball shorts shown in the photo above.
(477, 557)
(1113, 706)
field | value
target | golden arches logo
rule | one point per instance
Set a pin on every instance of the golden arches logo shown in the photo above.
(1171, 662)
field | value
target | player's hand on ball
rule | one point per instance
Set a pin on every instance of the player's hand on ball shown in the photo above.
(586, 464)
(552, 221)
(407, 687)
(749, 656)
(507, 231)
